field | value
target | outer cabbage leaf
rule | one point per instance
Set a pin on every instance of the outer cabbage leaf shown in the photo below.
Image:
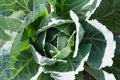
(97, 74)
(80, 7)
(8, 7)
(45, 76)
(79, 76)
(7, 26)
(19, 64)
(98, 41)
(108, 14)
(22, 68)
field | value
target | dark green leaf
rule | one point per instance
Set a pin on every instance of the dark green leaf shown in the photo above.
(117, 51)
(8, 7)
(64, 6)
(39, 43)
(45, 76)
(97, 74)
(79, 76)
(97, 39)
(52, 34)
(108, 13)
(24, 66)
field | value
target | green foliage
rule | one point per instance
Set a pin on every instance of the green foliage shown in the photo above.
(93, 36)
(115, 68)
(109, 14)
(8, 25)
(97, 74)
(8, 7)
(44, 76)
(61, 43)
(78, 6)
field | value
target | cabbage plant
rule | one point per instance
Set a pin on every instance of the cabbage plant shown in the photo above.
(59, 40)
